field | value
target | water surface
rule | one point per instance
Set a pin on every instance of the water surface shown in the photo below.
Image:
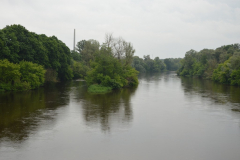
(165, 117)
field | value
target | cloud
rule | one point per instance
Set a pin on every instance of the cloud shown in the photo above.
(155, 27)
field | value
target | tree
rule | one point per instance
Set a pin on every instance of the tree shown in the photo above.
(129, 52)
(108, 71)
(18, 44)
(76, 56)
(118, 48)
(80, 46)
(159, 65)
(32, 73)
(91, 47)
(9, 72)
(109, 40)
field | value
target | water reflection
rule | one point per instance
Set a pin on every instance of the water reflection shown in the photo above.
(174, 117)
(218, 93)
(106, 109)
(149, 77)
(22, 112)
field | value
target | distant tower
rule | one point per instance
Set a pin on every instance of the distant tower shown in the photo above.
(74, 41)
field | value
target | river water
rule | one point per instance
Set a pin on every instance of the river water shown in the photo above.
(165, 118)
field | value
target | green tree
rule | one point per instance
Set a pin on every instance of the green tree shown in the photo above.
(91, 47)
(9, 72)
(32, 73)
(80, 46)
(76, 56)
(129, 52)
(110, 72)
(138, 64)
(17, 44)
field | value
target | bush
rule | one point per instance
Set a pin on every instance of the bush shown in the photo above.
(5, 86)
(23, 76)
(9, 72)
(79, 70)
(32, 73)
(110, 72)
(113, 83)
(235, 77)
(131, 77)
(22, 86)
(222, 73)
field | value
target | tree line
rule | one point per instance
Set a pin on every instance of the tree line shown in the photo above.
(220, 65)
(113, 63)
(146, 64)
(18, 44)
(27, 60)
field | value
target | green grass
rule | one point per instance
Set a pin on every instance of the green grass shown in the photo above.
(95, 88)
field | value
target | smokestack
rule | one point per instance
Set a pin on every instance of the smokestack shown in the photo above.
(74, 41)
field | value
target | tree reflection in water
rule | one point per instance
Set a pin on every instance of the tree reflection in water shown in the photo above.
(218, 93)
(109, 108)
(22, 112)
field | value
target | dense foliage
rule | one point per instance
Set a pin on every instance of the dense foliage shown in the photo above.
(172, 64)
(221, 65)
(22, 76)
(18, 44)
(109, 71)
(28, 59)
(106, 66)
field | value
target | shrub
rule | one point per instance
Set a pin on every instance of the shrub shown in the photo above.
(109, 72)
(32, 73)
(235, 77)
(79, 70)
(9, 72)
(222, 73)
(22, 86)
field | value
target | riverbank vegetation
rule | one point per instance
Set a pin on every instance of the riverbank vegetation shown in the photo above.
(220, 65)
(22, 76)
(18, 44)
(28, 60)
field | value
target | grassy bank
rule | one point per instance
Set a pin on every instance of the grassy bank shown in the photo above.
(95, 88)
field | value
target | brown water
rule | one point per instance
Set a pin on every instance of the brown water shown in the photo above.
(165, 118)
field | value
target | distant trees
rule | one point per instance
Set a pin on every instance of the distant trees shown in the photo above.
(172, 64)
(221, 65)
(155, 65)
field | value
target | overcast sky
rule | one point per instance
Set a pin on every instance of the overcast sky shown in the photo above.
(163, 28)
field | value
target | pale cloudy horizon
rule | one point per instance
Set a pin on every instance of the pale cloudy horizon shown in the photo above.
(164, 29)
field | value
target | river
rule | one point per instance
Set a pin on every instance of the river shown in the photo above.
(165, 118)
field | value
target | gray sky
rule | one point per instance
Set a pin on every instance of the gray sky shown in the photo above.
(163, 28)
